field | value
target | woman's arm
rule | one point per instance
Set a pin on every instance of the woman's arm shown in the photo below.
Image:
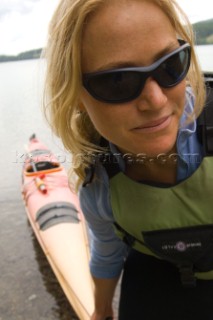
(104, 292)
(108, 252)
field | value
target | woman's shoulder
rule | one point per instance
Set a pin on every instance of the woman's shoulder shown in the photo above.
(94, 197)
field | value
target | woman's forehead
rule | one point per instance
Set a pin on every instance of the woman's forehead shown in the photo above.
(124, 30)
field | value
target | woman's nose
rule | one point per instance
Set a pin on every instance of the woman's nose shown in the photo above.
(152, 96)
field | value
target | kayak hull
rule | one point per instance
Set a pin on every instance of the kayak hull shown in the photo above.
(54, 213)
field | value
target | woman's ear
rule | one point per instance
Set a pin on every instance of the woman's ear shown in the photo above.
(81, 107)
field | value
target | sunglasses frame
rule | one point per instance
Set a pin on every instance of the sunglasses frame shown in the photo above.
(147, 72)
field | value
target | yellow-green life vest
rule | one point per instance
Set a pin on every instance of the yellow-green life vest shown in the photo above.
(174, 223)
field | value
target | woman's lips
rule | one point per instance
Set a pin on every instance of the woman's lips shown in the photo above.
(154, 126)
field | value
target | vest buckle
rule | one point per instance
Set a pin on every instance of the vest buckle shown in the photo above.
(187, 276)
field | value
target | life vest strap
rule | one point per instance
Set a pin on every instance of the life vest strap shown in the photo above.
(127, 237)
(205, 121)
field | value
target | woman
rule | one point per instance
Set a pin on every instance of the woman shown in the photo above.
(125, 90)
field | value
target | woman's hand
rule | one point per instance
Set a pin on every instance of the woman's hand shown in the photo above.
(103, 293)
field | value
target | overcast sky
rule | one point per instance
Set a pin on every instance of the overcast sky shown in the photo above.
(24, 23)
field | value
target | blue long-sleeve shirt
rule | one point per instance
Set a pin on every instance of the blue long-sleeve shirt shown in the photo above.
(108, 252)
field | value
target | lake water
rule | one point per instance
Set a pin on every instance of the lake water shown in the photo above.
(28, 290)
(205, 55)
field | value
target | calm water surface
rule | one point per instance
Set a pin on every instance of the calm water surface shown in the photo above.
(205, 55)
(28, 289)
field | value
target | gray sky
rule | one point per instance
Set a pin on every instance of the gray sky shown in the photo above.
(24, 23)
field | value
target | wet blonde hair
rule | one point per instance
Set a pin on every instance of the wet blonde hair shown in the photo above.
(63, 76)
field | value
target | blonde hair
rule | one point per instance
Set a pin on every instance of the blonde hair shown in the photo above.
(63, 75)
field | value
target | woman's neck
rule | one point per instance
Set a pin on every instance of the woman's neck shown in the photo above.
(162, 169)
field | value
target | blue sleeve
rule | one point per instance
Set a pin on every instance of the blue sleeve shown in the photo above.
(107, 250)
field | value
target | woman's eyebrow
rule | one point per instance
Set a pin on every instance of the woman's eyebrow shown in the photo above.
(128, 64)
(116, 65)
(169, 48)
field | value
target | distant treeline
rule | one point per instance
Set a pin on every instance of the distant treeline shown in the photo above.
(32, 54)
(203, 34)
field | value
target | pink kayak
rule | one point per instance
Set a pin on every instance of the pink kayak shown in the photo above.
(58, 223)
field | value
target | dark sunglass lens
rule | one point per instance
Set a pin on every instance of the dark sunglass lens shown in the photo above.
(174, 69)
(114, 86)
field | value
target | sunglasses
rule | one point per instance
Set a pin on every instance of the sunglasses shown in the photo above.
(126, 84)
